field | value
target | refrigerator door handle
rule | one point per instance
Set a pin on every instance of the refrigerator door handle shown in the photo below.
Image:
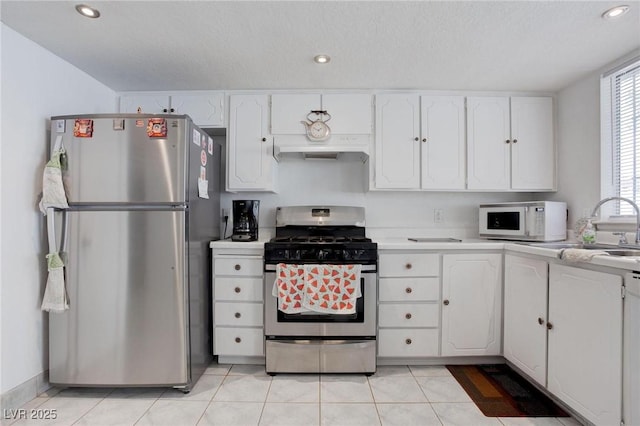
(63, 233)
(51, 230)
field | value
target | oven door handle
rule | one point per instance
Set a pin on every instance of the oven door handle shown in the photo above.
(319, 341)
(269, 267)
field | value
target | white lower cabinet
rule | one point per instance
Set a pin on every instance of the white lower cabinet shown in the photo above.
(408, 308)
(585, 342)
(237, 304)
(565, 332)
(471, 304)
(525, 315)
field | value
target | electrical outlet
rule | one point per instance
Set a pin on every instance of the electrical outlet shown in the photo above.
(438, 216)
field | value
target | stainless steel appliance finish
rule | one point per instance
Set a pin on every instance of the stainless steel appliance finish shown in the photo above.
(524, 221)
(135, 245)
(312, 342)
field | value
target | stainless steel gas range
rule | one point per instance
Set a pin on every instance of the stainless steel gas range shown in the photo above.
(320, 292)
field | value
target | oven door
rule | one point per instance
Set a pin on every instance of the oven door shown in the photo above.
(314, 324)
(503, 222)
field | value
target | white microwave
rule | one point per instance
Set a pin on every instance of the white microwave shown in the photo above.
(524, 221)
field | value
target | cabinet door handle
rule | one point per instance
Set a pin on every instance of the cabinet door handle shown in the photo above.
(540, 321)
(165, 110)
(237, 267)
(173, 110)
(408, 316)
(408, 290)
(549, 326)
(515, 141)
(264, 139)
(238, 315)
(416, 139)
(507, 141)
(445, 302)
(238, 340)
(424, 139)
(237, 289)
(408, 266)
(408, 341)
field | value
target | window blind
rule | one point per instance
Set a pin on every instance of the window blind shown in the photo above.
(625, 122)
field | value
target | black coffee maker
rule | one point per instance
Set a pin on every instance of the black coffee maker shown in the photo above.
(245, 220)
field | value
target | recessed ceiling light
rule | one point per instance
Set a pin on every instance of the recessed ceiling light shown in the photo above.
(321, 59)
(87, 11)
(615, 12)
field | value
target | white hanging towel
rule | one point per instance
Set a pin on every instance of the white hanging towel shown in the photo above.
(55, 293)
(53, 194)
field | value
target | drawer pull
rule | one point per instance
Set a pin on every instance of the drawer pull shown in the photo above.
(408, 341)
(237, 267)
(238, 315)
(408, 266)
(407, 316)
(237, 289)
(408, 290)
(238, 340)
(446, 302)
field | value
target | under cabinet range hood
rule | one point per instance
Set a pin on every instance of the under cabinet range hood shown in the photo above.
(331, 149)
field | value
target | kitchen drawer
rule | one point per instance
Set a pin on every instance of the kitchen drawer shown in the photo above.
(408, 315)
(409, 342)
(238, 265)
(409, 289)
(238, 289)
(238, 314)
(239, 341)
(409, 264)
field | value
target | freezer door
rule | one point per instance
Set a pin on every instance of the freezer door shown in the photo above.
(128, 318)
(121, 163)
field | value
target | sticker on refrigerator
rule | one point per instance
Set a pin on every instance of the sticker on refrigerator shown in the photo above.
(203, 142)
(61, 126)
(203, 157)
(203, 188)
(83, 128)
(203, 173)
(210, 146)
(157, 128)
(195, 138)
(139, 123)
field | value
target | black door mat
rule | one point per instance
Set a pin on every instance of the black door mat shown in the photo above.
(498, 391)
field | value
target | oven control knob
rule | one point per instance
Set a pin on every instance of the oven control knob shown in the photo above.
(408, 341)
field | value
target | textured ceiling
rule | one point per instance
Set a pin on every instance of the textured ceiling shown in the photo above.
(436, 45)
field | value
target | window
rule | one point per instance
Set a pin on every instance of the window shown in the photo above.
(621, 136)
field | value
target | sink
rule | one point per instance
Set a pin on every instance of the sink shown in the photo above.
(611, 249)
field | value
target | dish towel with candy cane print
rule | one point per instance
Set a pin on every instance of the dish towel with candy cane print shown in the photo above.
(332, 288)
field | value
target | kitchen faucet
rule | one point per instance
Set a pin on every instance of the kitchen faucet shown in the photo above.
(634, 205)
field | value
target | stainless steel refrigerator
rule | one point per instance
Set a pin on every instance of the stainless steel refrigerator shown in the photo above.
(135, 245)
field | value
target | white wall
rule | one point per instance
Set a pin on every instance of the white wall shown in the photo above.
(35, 85)
(579, 142)
(388, 213)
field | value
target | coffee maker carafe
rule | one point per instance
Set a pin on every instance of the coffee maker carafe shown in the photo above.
(245, 220)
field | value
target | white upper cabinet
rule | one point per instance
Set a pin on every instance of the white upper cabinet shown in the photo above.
(510, 143)
(351, 114)
(250, 146)
(420, 142)
(206, 109)
(532, 148)
(443, 142)
(397, 142)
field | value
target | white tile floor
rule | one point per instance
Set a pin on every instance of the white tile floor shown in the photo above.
(244, 395)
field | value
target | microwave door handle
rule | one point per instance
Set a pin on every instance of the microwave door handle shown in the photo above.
(526, 222)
